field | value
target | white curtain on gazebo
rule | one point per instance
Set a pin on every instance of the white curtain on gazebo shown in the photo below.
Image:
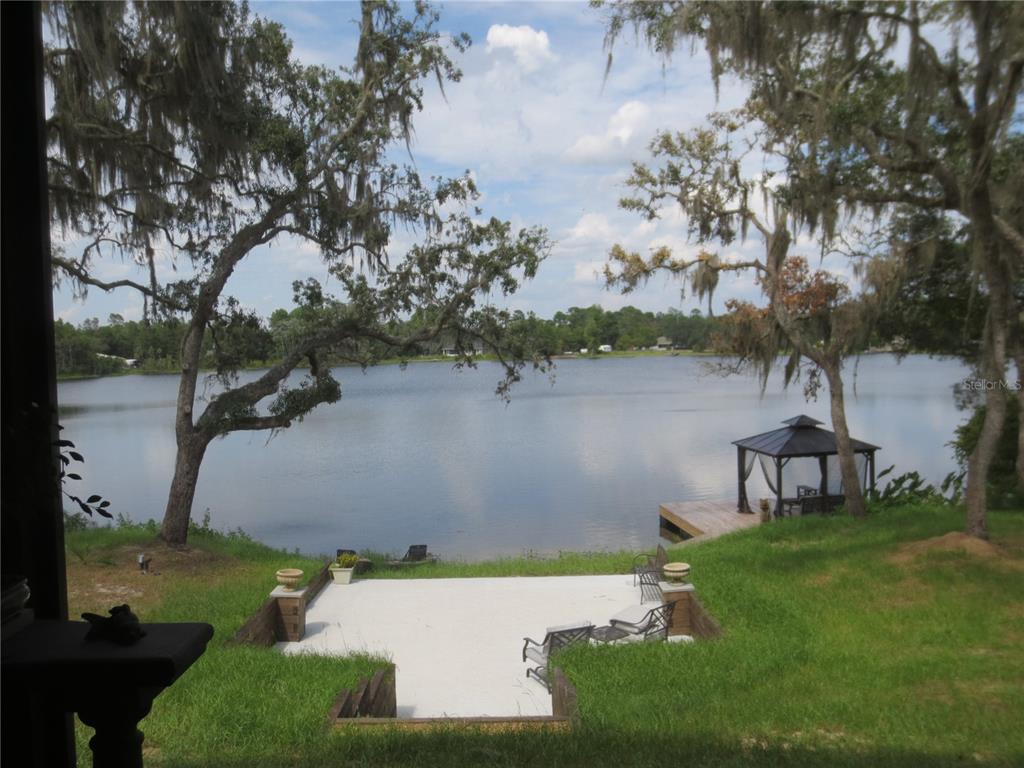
(835, 476)
(799, 470)
(748, 464)
(768, 469)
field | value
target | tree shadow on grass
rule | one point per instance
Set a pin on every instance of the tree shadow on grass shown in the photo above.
(583, 747)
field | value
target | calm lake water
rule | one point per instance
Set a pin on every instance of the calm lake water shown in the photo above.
(430, 455)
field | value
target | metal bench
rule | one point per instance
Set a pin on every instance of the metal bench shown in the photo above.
(555, 639)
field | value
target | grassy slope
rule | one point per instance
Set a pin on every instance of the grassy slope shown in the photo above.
(834, 644)
(836, 653)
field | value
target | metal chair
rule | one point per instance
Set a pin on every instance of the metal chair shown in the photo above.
(416, 553)
(649, 589)
(648, 561)
(555, 639)
(652, 625)
(821, 505)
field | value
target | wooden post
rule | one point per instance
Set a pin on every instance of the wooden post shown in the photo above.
(32, 520)
(563, 696)
(778, 487)
(823, 467)
(741, 466)
(871, 467)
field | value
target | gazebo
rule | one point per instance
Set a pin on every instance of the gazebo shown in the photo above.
(809, 457)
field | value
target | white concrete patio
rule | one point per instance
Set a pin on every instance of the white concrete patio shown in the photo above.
(457, 643)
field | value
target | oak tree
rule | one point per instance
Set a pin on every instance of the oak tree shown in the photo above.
(190, 129)
(904, 105)
(810, 316)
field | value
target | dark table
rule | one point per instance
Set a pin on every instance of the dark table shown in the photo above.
(110, 686)
(608, 634)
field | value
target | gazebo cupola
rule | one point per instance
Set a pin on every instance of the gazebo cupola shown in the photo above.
(800, 459)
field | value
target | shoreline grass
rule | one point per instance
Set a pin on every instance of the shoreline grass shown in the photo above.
(529, 564)
(841, 648)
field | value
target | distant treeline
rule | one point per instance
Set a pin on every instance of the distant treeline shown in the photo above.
(92, 349)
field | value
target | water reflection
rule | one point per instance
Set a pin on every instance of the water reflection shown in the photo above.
(428, 455)
(71, 410)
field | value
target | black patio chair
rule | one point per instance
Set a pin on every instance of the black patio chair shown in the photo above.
(416, 553)
(555, 639)
(649, 588)
(821, 505)
(652, 625)
(649, 562)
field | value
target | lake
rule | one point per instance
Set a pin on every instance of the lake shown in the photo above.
(430, 455)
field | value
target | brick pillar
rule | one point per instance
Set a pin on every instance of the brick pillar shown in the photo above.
(290, 623)
(680, 594)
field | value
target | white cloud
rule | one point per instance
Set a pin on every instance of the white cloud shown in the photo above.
(645, 228)
(630, 122)
(676, 242)
(530, 47)
(71, 312)
(587, 272)
(131, 311)
(592, 228)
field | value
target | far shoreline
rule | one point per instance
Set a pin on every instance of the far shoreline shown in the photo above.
(616, 355)
(264, 365)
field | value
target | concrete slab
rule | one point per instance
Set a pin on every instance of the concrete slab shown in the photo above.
(457, 643)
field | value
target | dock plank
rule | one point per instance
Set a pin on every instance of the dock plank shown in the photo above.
(705, 519)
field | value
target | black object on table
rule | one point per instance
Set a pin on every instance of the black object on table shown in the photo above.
(608, 634)
(110, 686)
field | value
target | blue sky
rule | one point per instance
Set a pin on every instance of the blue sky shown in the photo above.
(548, 141)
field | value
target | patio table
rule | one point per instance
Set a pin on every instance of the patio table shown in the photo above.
(608, 634)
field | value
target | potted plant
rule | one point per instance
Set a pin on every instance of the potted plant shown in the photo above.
(341, 569)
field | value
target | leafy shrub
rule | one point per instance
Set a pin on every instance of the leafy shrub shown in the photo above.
(909, 489)
(76, 521)
(1003, 492)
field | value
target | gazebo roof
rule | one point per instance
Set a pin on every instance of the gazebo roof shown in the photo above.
(800, 437)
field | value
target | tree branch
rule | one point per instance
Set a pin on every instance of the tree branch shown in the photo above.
(255, 423)
(876, 197)
(1010, 233)
(82, 276)
(925, 163)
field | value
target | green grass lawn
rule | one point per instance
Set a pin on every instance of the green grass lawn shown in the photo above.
(841, 648)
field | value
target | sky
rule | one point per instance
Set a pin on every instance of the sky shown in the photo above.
(548, 140)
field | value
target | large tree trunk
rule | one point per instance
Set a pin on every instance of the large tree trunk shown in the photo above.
(1020, 411)
(183, 489)
(855, 503)
(191, 442)
(980, 460)
(993, 369)
(984, 232)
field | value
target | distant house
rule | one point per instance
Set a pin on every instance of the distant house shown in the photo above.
(478, 349)
(605, 348)
(448, 346)
(584, 350)
(127, 362)
(664, 342)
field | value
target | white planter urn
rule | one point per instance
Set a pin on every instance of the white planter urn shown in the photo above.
(341, 575)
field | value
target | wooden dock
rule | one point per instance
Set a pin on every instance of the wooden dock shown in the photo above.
(704, 519)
